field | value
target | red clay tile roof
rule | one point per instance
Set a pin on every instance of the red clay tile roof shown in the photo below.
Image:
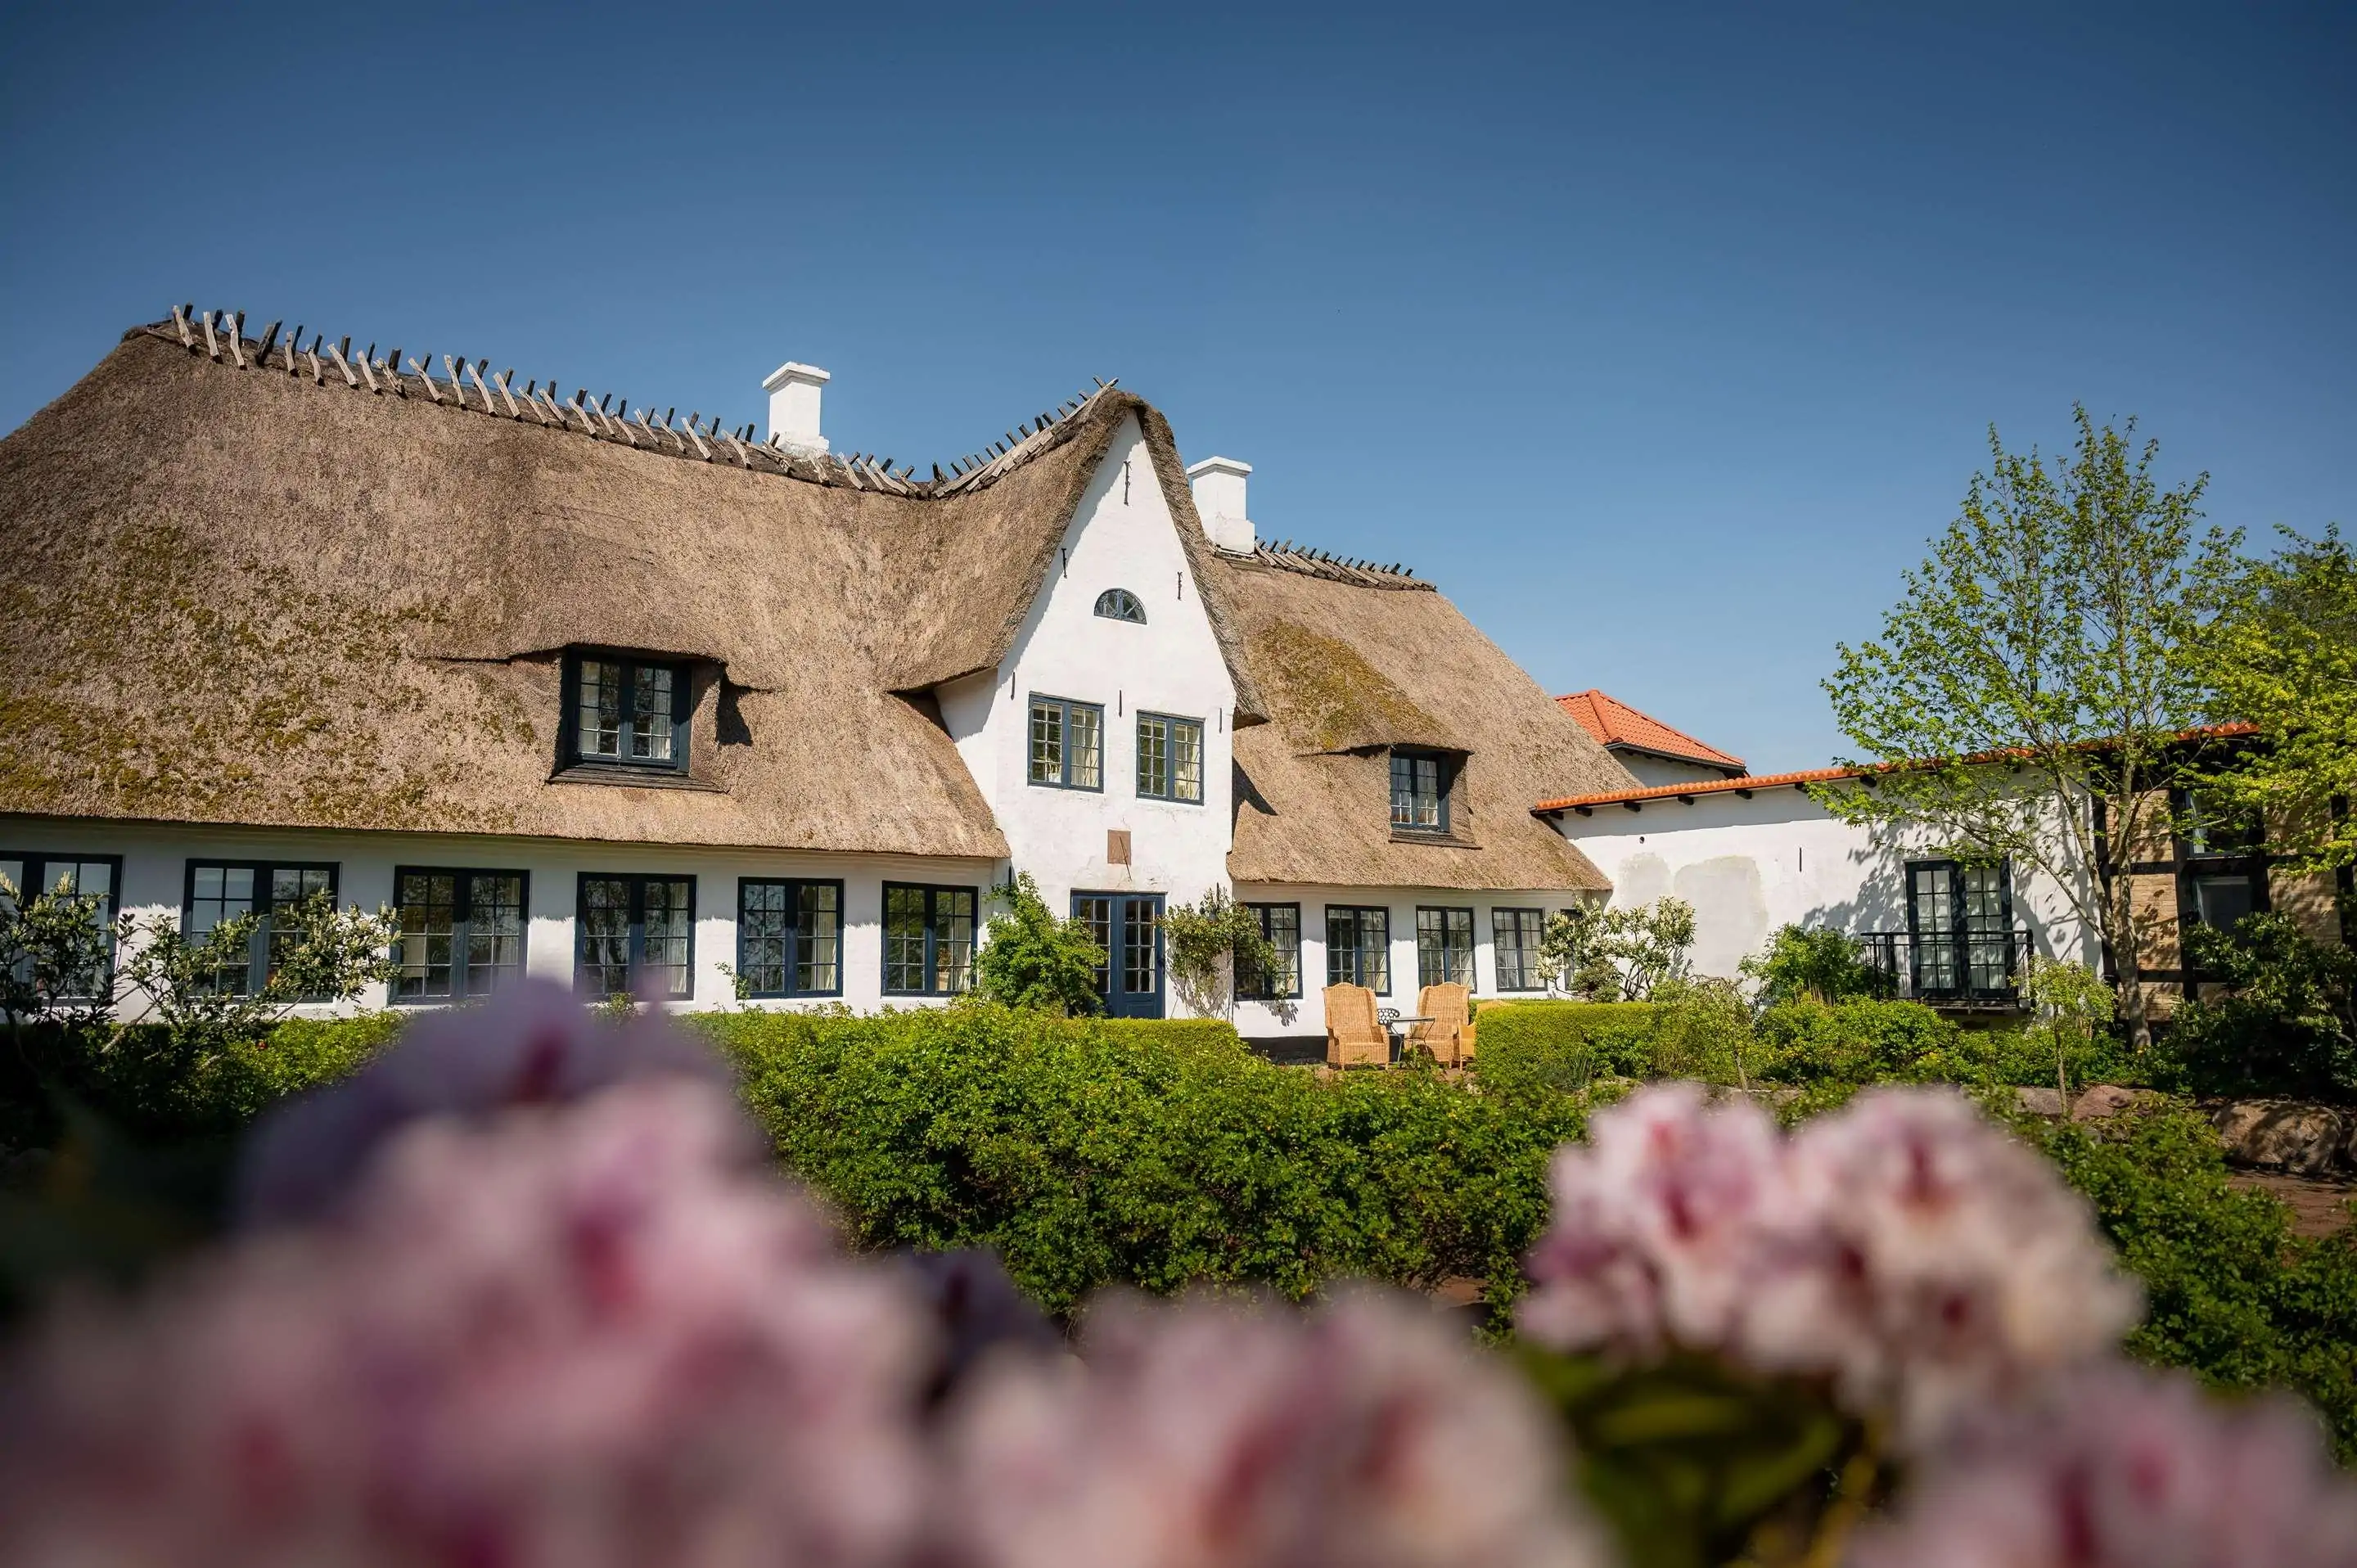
(1748, 783)
(1614, 722)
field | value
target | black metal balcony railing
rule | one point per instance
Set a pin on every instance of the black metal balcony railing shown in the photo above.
(1951, 968)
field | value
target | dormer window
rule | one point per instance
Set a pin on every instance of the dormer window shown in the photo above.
(1120, 604)
(626, 712)
(1419, 792)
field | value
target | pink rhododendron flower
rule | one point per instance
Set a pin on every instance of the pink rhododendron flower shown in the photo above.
(1367, 1434)
(1656, 1224)
(531, 1044)
(1905, 1246)
(590, 1335)
(2119, 1467)
(1931, 1259)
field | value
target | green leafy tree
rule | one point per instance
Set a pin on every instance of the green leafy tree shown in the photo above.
(1813, 962)
(2284, 656)
(1031, 958)
(2027, 695)
(2069, 1006)
(318, 953)
(55, 954)
(1210, 942)
(1618, 954)
(2286, 1022)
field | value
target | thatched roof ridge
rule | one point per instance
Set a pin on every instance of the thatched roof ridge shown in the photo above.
(1351, 670)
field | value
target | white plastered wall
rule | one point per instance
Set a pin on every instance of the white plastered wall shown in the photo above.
(1121, 535)
(1779, 858)
(156, 860)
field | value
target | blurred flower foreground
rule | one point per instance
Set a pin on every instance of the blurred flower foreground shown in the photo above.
(527, 1292)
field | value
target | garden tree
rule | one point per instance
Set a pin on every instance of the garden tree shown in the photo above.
(1817, 963)
(1210, 942)
(2070, 1004)
(1031, 958)
(2283, 656)
(1618, 954)
(55, 948)
(2027, 695)
(317, 953)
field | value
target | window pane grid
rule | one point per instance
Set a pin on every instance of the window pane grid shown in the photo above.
(927, 940)
(818, 939)
(1153, 757)
(637, 936)
(789, 937)
(1514, 936)
(1087, 757)
(625, 711)
(1358, 947)
(1443, 946)
(69, 876)
(220, 891)
(1096, 912)
(1141, 948)
(1170, 758)
(1281, 925)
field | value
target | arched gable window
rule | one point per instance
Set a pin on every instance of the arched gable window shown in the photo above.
(1120, 604)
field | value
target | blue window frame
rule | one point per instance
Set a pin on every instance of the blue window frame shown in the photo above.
(220, 890)
(1514, 936)
(1281, 923)
(36, 874)
(634, 935)
(789, 937)
(460, 931)
(1359, 946)
(1067, 744)
(927, 940)
(1170, 758)
(626, 712)
(1419, 792)
(1443, 946)
(1120, 604)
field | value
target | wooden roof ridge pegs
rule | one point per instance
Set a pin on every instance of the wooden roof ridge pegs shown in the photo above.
(343, 364)
(212, 344)
(319, 372)
(483, 388)
(423, 375)
(180, 320)
(236, 322)
(587, 422)
(743, 455)
(458, 387)
(371, 375)
(269, 337)
(500, 380)
(697, 437)
(547, 395)
(294, 347)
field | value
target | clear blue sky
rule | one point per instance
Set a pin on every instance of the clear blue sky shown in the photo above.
(1660, 341)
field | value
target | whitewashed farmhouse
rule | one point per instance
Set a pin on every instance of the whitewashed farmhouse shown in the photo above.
(586, 691)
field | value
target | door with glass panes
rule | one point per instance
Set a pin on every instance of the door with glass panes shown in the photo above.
(1128, 925)
(1960, 926)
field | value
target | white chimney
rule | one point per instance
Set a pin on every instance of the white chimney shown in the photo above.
(1218, 486)
(794, 392)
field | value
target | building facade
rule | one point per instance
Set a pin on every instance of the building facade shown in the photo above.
(694, 712)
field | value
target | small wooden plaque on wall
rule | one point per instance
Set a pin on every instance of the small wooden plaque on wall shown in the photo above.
(1116, 846)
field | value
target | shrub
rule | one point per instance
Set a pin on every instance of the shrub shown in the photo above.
(1086, 1153)
(1031, 958)
(1813, 963)
(2288, 1024)
(1175, 1034)
(1853, 1042)
(2232, 1294)
(1562, 1045)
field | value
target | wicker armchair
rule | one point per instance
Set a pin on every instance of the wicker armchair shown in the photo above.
(1447, 1037)
(1353, 1036)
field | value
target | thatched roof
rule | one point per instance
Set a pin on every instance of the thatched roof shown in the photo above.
(265, 592)
(240, 582)
(1353, 661)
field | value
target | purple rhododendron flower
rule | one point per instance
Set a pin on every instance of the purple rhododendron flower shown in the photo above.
(599, 1334)
(2118, 1468)
(1367, 1433)
(531, 1044)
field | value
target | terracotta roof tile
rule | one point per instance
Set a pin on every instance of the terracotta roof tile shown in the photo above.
(1614, 722)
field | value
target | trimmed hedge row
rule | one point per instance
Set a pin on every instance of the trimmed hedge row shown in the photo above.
(1083, 1160)
(1563, 1046)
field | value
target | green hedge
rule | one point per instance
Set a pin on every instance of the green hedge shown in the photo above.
(139, 1083)
(1563, 1046)
(1204, 1034)
(1086, 1153)
(2230, 1292)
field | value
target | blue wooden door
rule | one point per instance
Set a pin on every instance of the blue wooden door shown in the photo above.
(1128, 925)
